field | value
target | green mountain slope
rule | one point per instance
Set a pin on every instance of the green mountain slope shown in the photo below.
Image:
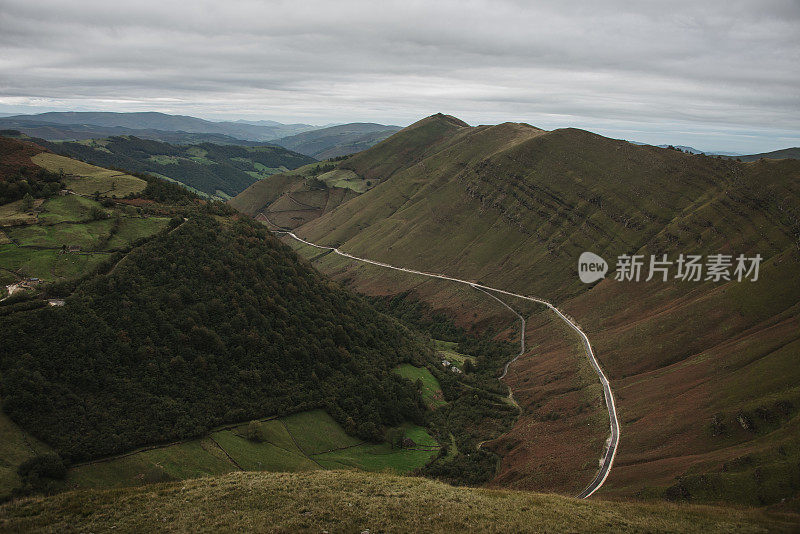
(357, 502)
(514, 207)
(338, 140)
(215, 170)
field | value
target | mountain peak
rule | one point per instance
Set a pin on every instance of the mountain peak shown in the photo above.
(441, 117)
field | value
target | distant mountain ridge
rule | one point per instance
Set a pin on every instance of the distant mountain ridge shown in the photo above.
(320, 142)
(786, 153)
(693, 150)
(336, 141)
(81, 132)
(151, 120)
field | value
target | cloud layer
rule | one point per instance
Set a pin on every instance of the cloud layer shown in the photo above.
(713, 74)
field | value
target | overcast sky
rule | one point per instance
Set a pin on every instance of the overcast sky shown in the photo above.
(714, 75)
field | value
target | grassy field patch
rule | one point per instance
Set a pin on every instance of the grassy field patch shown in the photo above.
(192, 459)
(133, 228)
(448, 350)
(69, 208)
(345, 179)
(85, 235)
(163, 159)
(431, 390)
(264, 456)
(86, 179)
(15, 448)
(12, 214)
(316, 432)
(46, 264)
(371, 457)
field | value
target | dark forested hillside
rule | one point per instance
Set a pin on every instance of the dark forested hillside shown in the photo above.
(213, 169)
(209, 323)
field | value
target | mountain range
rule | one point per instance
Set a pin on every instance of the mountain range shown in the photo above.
(708, 412)
(163, 122)
(154, 335)
(320, 142)
(336, 141)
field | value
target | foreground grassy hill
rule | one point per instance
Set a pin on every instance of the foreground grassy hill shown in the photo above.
(703, 370)
(357, 502)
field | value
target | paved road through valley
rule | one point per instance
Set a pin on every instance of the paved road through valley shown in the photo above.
(611, 450)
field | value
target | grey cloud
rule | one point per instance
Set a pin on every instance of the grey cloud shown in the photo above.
(726, 68)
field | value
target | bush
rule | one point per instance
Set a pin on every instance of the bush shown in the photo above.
(44, 466)
(394, 436)
(253, 432)
(98, 214)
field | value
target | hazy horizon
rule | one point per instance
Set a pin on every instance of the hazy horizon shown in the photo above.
(324, 125)
(717, 76)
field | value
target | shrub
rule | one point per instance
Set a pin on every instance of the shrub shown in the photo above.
(43, 466)
(253, 432)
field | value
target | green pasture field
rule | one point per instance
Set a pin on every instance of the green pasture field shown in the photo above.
(12, 214)
(317, 432)
(87, 235)
(86, 179)
(48, 265)
(431, 390)
(163, 159)
(69, 208)
(134, 228)
(15, 448)
(379, 457)
(196, 458)
(264, 456)
(345, 179)
(449, 351)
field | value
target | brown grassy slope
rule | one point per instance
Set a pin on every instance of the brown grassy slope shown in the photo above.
(514, 206)
(406, 147)
(262, 193)
(341, 501)
(16, 154)
(288, 200)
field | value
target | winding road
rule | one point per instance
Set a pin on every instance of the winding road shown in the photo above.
(613, 442)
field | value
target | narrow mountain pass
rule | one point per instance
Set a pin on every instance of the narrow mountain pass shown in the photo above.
(613, 441)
